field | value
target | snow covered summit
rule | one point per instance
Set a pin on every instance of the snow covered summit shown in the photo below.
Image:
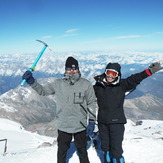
(142, 143)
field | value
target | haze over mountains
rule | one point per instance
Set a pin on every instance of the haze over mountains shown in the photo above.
(52, 64)
(34, 112)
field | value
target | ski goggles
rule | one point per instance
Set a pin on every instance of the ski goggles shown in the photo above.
(71, 68)
(111, 73)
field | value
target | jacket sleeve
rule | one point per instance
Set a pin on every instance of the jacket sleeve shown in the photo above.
(132, 81)
(91, 103)
(43, 90)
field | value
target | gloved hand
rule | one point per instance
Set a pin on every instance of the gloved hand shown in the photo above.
(154, 67)
(90, 128)
(28, 77)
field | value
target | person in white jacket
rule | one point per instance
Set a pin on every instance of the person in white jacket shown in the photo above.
(76, 108)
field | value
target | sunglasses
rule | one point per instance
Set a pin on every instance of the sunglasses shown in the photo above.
(71, 68)
(111, 73)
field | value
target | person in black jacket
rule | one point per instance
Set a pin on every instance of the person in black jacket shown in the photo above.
(110, 91)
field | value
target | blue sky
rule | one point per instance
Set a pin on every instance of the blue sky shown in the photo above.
(74, 25)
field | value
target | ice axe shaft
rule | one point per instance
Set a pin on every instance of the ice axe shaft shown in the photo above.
(39, 56)
(37, 59)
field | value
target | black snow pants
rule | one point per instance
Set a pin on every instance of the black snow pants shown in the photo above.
(111, 136)
(64, 140)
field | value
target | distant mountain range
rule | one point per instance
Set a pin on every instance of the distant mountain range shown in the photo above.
(37, 113)
(91, 64)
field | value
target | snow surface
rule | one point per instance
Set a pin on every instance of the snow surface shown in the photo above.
(142, 144)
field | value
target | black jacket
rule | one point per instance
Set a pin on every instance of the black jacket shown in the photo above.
(110, 98)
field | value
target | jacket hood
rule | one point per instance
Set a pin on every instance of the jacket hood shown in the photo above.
(102, 78)
(114, 66)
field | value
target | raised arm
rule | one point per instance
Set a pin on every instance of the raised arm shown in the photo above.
(41, 90)
(132, 81)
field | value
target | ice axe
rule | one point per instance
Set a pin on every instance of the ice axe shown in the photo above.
(37, 59)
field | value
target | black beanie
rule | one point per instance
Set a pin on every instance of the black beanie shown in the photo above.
(114, 66)
(71, 62)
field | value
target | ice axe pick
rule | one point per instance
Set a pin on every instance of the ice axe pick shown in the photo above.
(37, 59)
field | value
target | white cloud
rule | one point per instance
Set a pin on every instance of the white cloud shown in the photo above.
(113, 38)
(122, 37)
(126, 37)
(68, 33)
(71, 30)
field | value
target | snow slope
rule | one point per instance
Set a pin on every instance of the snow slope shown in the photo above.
(18, 139)
(142, 144)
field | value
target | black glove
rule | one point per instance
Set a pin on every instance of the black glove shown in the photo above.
(28, 77)
(154, 67)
